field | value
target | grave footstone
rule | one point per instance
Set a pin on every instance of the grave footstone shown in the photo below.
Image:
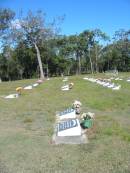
(69, 132)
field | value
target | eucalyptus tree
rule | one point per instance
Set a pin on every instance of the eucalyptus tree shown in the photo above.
(122, 45)
(34, 29)
(6, 16)
(92, 46)
(87, 43)
(99, 37)
(66, 48)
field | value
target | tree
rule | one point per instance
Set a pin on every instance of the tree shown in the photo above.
(25, 56)
(88, 43)
(34, 30)
(6, 15)
(121, 45)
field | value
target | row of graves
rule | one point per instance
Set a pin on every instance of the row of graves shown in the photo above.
(66, 86)
(128, 80)
(104, 82)
(114, 76)
(20, 89)
(120, 79)
(71, 127)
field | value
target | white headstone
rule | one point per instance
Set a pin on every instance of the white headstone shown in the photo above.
(11, 96)
(69, 128)
(29, 87)
(35, 84)
(117, 87)
(66, 114)
(128, 80)
(65, 88)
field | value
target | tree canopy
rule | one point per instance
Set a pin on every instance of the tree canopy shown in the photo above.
(37, 50)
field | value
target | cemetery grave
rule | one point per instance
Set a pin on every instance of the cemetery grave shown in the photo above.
(68, 86)
(27, 126)
(19, 90)
(11, 96)
(29, 87)
(104, 82)
(128, 80)
(68, 125)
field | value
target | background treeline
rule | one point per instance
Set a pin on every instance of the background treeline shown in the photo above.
(28, 43)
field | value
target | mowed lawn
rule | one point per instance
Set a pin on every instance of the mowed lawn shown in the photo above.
(27, 123)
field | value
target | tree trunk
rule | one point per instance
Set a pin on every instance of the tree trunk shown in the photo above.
(90, 62)
(39, 61)
(79, 65)
(97, 69)
(47, 71)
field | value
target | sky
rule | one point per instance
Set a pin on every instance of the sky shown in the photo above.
(107, 15)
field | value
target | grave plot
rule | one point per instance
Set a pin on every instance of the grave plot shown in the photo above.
(71, 127)
(35, 84)
(29, 87)
(12, 96)
(128, 80)
(19, 90)
(118, 79)
(67, 87)
(104, 82)
(69, 132)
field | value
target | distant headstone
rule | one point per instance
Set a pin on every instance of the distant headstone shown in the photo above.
(128, 80)
(29, 87)
(35, 84)
(11, 96)
(66, 114)
(65, 88)
(69, 128)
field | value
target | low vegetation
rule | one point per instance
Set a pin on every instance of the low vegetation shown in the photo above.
(26, 128)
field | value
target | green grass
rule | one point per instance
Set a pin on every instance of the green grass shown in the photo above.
(26, 128)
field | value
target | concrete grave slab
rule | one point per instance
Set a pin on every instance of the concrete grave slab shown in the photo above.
(69, 139)
(69, 132)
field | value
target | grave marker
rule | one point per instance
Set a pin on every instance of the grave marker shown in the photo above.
(29, 87)
(66, 114)
(11, 96)
(69, 128)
